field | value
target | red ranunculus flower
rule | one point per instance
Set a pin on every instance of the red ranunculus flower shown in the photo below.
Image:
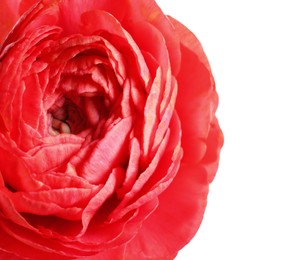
(108, 134)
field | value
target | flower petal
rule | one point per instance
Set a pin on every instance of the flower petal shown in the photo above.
(8, 17)
(51, 155)
(197, 99)
(101, 156)
(168, 228)
(14, 171)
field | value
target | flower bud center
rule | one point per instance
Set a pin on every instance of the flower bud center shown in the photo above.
(60, 127)
(66, 118)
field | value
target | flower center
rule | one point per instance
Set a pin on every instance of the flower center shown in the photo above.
(67, 117)
(72, 114)
(60, 127)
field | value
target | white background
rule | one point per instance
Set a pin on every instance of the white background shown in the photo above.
(247, 43)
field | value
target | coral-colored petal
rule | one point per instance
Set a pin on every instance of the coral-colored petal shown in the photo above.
(104, 154)
(157, 177)
(197, 99)
(8, 17)
(25, 5)
(71, 20)
(132, 168)
(148, 11)
(170, 229)
(42, 13)
(98, 21)
(14, 171)
(151, 113)
(50, 155)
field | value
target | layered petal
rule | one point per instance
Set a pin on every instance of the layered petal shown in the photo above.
(182, 205)
(8, 17)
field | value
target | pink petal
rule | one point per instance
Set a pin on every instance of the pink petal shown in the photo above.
(101, 156)
(151, 113)
(126, 107)
(156, 45)
(99, 199)
(50, 155)
(24, 204)
(53, 202)
(132, 168)
(154, 181)
(126, 229)
(142, 179)
(55, 180)
(32, 106)
(97, 20)
(166, 115)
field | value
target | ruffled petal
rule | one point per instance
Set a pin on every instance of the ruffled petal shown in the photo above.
(170, 228)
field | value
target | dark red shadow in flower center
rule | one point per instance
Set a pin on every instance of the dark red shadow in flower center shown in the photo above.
(74, 114)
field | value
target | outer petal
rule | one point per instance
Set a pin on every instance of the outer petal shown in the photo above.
(197, 98)
(24, 5)
(71, 20)
(7, 18)
(182, 205)
(21, 251)
(10, 11)
(147, 11)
